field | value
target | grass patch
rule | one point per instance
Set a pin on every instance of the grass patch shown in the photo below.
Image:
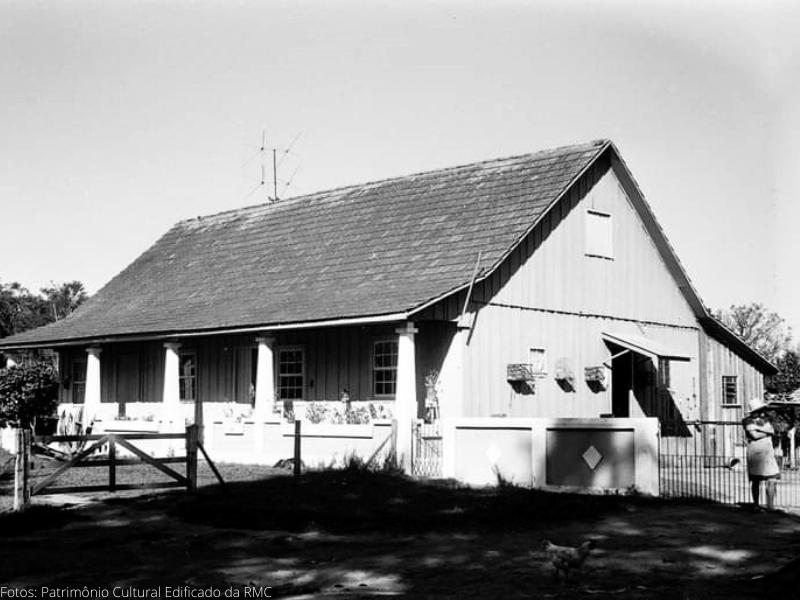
(361, 500)
(33, 519)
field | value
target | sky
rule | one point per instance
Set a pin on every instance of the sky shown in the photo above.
(119, 119)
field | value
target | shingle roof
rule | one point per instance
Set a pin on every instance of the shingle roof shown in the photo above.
(364, 250)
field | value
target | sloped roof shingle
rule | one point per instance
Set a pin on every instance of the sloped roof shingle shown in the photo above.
(364, 250)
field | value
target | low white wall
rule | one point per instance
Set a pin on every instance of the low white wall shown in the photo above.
(267, 442)
(556, 454)
(232, 434)
(152, 411)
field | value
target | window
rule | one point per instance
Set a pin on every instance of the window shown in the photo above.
(599, 234)
(664, 378)
(384, 368)
(538, 361)
(291, 373)
(78, 376)
(187, 377)
(730, 390)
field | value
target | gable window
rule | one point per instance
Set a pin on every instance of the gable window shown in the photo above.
(538, 361)
(664, 376)
(187, 376)
(78, 376)
(291, 373)
(599, 234)
(384, 368)
(730, 390)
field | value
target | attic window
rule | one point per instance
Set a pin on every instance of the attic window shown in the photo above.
(599, 234)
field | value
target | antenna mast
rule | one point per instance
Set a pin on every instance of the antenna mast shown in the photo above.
(261, 152)
(274, 176)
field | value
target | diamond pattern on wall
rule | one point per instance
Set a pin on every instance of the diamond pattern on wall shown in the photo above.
(592, 457)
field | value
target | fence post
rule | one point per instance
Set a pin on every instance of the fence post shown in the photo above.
(112, 463)
(19, 503)
(26, 469)
(22, 464)
(297, 459)
(191, 457)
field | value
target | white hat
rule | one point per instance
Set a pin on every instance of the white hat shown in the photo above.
(755, 404)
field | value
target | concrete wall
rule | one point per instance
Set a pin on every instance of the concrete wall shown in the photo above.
(554, 454)
(266, 442)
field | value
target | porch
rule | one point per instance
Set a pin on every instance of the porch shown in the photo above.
(346, 383)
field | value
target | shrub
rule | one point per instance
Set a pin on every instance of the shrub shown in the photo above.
(27, 392)
(353, 463)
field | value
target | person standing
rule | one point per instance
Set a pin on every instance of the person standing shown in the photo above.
(761, 463)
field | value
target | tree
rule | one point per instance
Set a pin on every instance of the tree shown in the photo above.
(787, 379)
(64, 298)
(21, 310)
(763, 330)
(26, 393)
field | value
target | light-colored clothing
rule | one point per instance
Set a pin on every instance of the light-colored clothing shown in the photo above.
(761, 463)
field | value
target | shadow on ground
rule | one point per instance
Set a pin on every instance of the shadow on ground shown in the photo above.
(360, 534)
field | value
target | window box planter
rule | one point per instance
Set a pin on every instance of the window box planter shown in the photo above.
(520, 373)
(597, 377)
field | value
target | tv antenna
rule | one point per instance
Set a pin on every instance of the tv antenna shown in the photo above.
(276, 163)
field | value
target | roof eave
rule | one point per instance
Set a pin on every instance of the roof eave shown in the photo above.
(179, 334)
(702, 313)
(721, 332)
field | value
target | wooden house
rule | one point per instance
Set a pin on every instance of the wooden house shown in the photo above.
(534, 286)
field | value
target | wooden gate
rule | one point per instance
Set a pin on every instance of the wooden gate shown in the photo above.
(106, 445)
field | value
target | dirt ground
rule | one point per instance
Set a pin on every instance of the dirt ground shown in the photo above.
(644, 548)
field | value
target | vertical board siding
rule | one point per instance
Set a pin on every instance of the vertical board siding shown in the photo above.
(335, 358)
(722, 361)
(579, 341)
(550, 294)
(550, 271)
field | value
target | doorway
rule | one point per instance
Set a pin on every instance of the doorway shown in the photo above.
(621, 383)
(128, 381)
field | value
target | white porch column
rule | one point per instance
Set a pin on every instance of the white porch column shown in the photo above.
(171, 417)
(265, 378)
(405, 410)
(91, 396)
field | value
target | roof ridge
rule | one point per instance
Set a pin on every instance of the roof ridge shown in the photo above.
(599, 142)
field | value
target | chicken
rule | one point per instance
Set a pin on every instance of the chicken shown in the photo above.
(565, 558)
